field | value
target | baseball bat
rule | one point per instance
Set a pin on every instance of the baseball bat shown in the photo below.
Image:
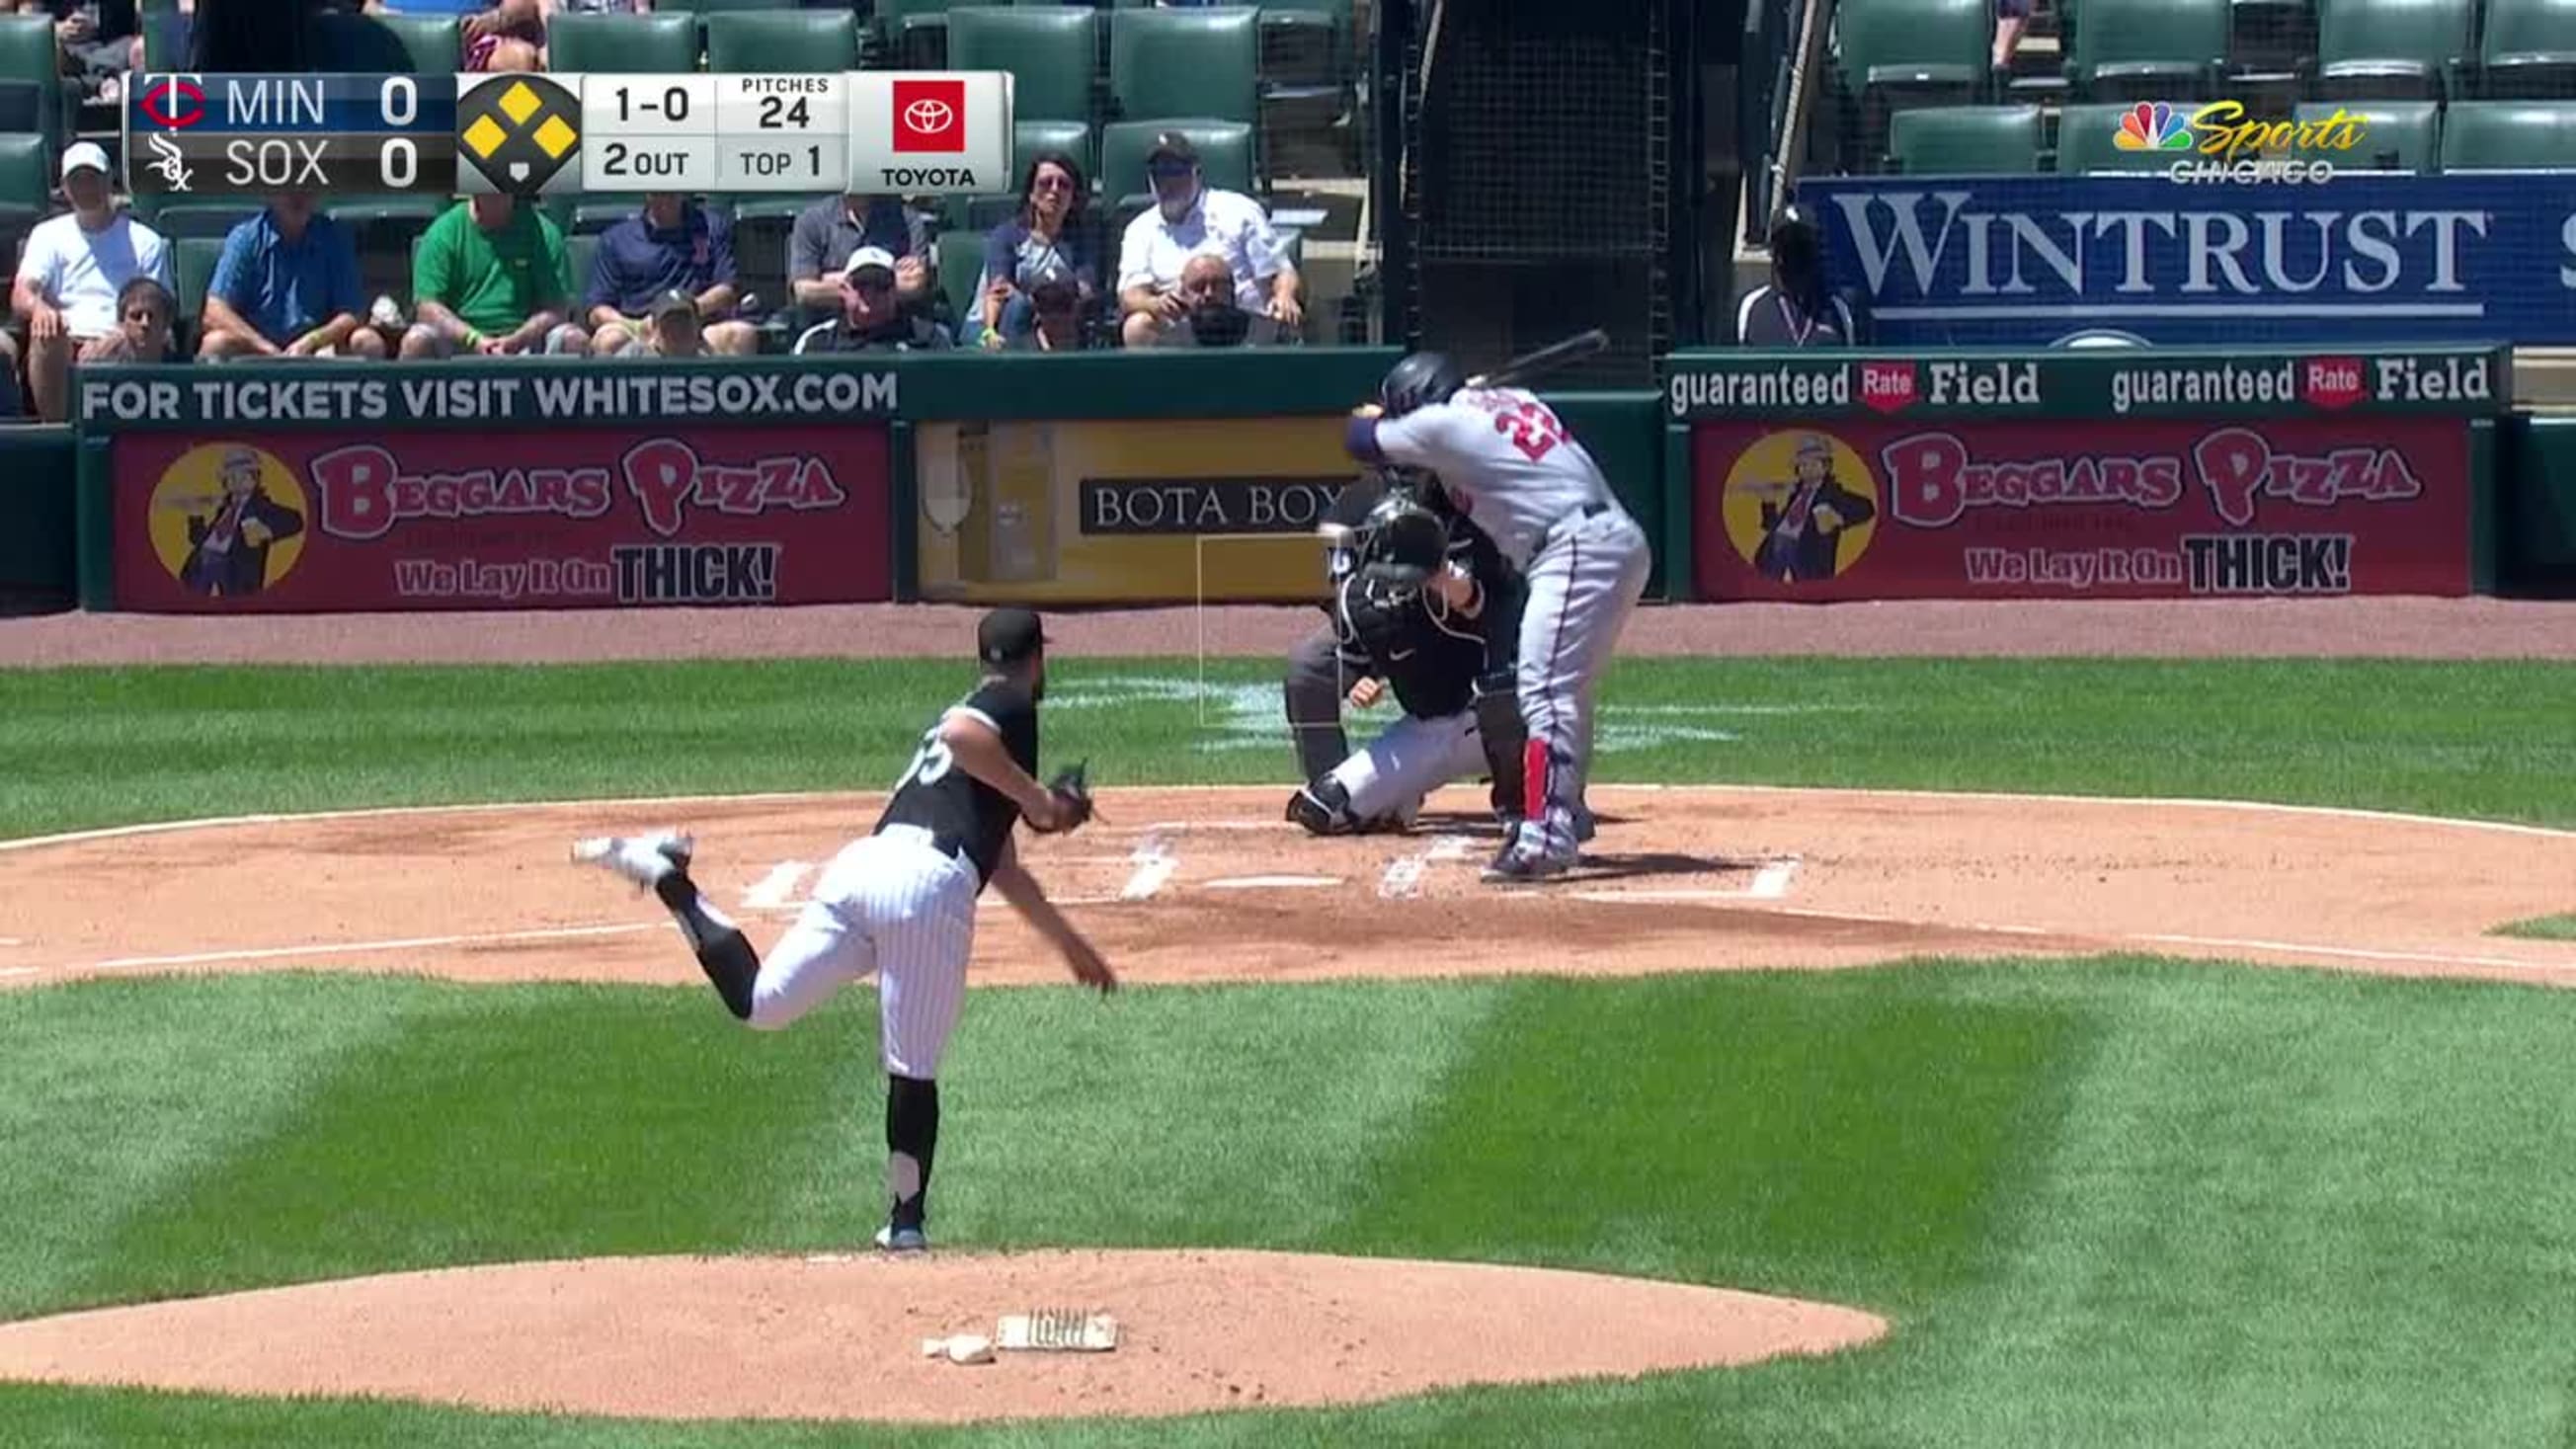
(1545, 360)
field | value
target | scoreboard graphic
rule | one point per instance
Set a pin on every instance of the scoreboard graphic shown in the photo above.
(540, 135)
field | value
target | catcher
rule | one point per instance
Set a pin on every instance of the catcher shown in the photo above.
(1418, 613)
(901, 901)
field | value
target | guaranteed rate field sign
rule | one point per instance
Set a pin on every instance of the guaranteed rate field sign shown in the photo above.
(2138, 474)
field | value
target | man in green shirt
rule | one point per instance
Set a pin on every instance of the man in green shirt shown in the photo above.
(492, 277)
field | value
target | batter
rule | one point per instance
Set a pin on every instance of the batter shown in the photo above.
(1516, 473)
(901, 901)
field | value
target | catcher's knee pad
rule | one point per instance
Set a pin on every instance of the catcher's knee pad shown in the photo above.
(1323, 807)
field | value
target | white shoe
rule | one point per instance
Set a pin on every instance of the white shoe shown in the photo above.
(902, 1240)
(643, 859)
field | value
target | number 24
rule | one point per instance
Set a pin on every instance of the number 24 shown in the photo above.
(1533, 427)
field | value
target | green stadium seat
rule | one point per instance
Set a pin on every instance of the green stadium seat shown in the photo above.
(2509, 136)
(22, 108)
(961, 264)
(27, 53)
(1073, 138)
(2390, 49)
(1307, 44)
(164, 30)
(2396, 135)
(1186, 63)
(1936, 45)
(581, 252)
(26, 186)
(1049, 53)
(1965, 140)
(2169, 50)
(380, 44)
(192, 268)
(1224, 147)
(2087, 140)
(657, 44)
(915, 32)
(367, 208)
(793, 42)
(724, 7)
(2529, 49)
(213, 217)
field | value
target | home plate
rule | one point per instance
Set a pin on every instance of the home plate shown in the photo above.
(1272, 882)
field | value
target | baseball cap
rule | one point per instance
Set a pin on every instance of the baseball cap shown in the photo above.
(870, 259)
(1172, 147)
(1007, 636)
(85, 156)
(674, 303)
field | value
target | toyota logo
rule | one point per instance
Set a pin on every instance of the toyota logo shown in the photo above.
(929, 118)
(177, 102)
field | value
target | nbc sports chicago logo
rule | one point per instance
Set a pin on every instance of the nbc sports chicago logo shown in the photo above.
(2219, 142)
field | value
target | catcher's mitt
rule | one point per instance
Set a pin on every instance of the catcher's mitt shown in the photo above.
(1072, 786)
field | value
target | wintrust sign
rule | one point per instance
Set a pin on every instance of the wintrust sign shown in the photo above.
(2028, 261)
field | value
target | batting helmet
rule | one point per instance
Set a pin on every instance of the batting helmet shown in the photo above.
(1419, 380)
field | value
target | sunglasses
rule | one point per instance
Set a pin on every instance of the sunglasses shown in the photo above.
(1052, 183)
(1168, 170)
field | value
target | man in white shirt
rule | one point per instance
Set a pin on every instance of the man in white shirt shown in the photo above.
(74, 267)
(1190, 217)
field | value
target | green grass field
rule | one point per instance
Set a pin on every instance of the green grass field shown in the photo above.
(2111, 1202)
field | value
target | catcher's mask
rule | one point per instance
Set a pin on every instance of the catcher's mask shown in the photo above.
(1419, 380)
(1407, 542)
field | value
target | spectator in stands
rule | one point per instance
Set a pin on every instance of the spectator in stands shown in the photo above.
(72, 271)
(287, 285)
(1210, 315)
(835, 228)
(872, 317)
(2012, 17)
(145, 311)
(1189, 217)
(493, 277)
(672, 329)
(1793, 309)
(253, 37)
(673, 243)
(1053, 226)
(1059, 308)
(99, 40)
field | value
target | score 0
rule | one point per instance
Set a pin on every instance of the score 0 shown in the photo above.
(398, 106)
(782, 133)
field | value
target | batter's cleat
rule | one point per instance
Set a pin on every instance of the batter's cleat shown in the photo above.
(643, 859)
(1516, 866)
(902, 1240)
(1584, 826)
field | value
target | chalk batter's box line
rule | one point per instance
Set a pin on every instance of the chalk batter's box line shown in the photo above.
(1199, 600)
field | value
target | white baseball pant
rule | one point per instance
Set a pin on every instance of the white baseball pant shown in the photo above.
(891, 904)
(1584, 582)
(1408, 760)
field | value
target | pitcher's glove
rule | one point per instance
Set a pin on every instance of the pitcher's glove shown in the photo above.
(1072, 788)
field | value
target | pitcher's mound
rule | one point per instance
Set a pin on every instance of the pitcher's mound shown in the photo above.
(841, 1337)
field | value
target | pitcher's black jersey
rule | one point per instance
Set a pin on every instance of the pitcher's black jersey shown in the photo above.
(961, 812)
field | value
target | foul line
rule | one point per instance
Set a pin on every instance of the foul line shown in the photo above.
(2353, 952)
(356, 948)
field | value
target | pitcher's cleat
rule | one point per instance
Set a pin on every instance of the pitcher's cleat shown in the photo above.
(642, 859)
(902, 1240)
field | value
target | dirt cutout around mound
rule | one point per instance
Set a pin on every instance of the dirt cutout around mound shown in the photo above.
(840, 1337)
